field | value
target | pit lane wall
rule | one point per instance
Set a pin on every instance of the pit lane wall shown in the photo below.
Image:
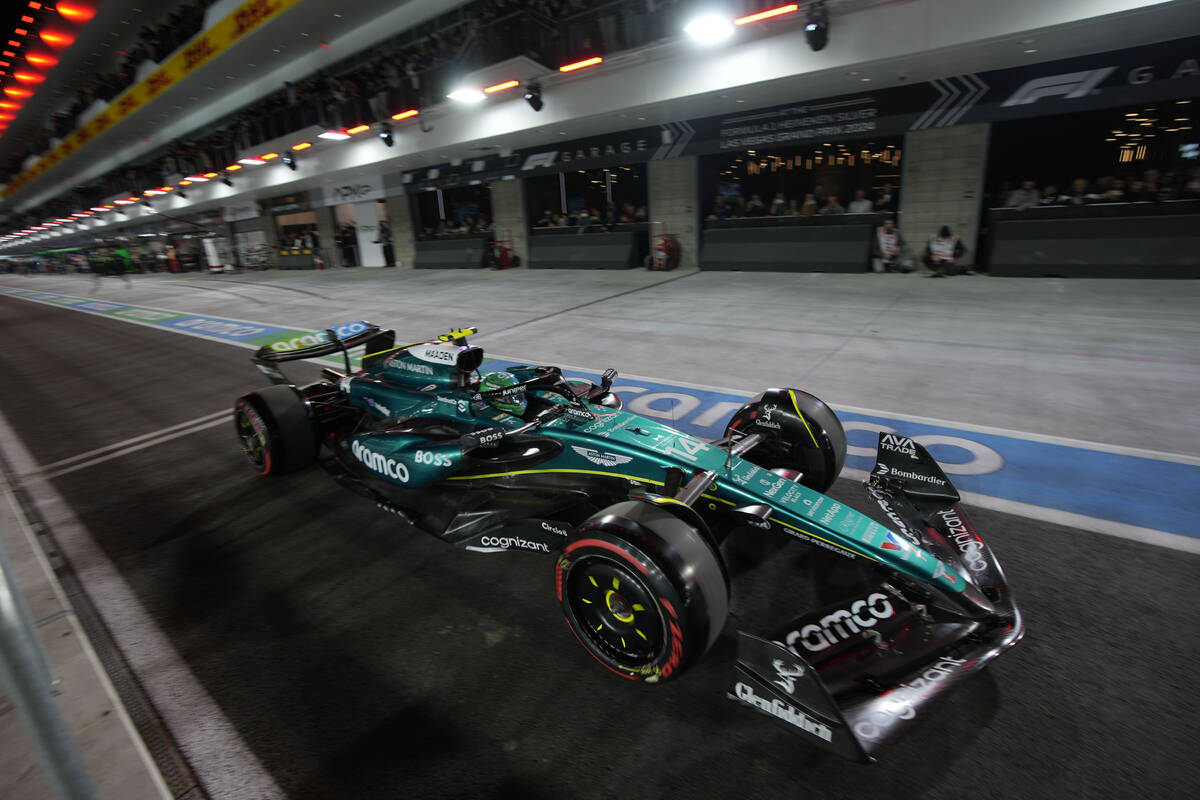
(1138, 495)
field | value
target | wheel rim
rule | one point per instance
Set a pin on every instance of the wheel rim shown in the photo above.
(252, 437)
(615, 611)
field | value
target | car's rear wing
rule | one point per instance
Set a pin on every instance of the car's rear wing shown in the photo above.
(331, 341)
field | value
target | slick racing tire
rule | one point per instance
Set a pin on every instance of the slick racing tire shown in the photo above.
(642, 590)
(275, 431)
(802, 434)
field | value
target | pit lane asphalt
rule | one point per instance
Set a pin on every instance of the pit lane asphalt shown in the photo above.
(357, 658)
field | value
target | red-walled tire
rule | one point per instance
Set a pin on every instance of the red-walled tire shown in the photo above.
(275, 431)
(642, 590)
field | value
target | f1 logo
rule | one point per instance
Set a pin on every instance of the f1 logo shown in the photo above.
(1069, 85)
(540, 160)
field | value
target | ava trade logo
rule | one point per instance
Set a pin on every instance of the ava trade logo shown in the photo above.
(1069, 85)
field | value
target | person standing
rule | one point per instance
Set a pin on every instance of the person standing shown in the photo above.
(385, 239)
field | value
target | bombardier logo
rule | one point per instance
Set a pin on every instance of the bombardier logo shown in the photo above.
(601, 458)
(1069, 85)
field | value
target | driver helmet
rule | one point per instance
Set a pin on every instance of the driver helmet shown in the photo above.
(514, 403)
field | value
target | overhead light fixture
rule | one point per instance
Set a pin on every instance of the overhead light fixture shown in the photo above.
(302, 145)
(587, 62)
(289, 160)
(152, 192)
(250, 161)
(500, 87)
(385, 134)
(533, 95)
(28, 77)
(466, 95)
(336, 136)
(185, 182)
(358, 129)
(75, 12)
(57, 39)
(816, 26)
(412, 112)
(41, 58)
(199, 178)
(709, 29)
(269, 156)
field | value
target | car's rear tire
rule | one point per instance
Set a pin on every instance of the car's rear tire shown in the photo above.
(642, 590)
(802, 434)
(275, 430)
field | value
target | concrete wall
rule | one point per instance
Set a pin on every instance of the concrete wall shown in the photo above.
(325, 229)
(403, 236)
(672, 200)
(942, 183)
(508, 214)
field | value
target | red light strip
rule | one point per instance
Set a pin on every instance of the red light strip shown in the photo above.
(768, 14)
(587, 62)
(500, 87)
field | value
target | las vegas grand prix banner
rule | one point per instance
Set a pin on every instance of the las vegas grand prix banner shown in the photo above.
(198, 52)
(1153, 73)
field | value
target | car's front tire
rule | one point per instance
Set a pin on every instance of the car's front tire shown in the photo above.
(642, 590)
(802, 434)
(275, 431)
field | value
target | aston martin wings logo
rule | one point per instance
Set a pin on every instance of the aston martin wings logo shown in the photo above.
(603, 459)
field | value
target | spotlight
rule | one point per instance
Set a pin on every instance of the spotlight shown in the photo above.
(533, 96)
(385, 133)
(709, 29)
(816, 28)
(289, 159)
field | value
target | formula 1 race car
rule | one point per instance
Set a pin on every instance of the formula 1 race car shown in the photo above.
(640, 520)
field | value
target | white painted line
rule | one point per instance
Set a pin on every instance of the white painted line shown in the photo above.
(1121, 530)
(125, 443)
(48, 473)
(223, 762)
(81, 636)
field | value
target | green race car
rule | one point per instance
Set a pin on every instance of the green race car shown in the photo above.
(642, 521)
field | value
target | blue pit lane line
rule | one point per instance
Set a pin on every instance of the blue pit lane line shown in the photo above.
(1129, 489)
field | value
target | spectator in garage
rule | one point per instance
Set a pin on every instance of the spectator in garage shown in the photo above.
(546, 220)
(385, 239)
(822, 196)
(779, 206)
(755, 207)
(1115, 193)
(1050, 196)
(1024, 197)
(639, 214)
(720, 209)
(832, 206)
(860, 204)
(942, 252)
(1079, 194)
(810, 205)
(887, 247)
(887, 202)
